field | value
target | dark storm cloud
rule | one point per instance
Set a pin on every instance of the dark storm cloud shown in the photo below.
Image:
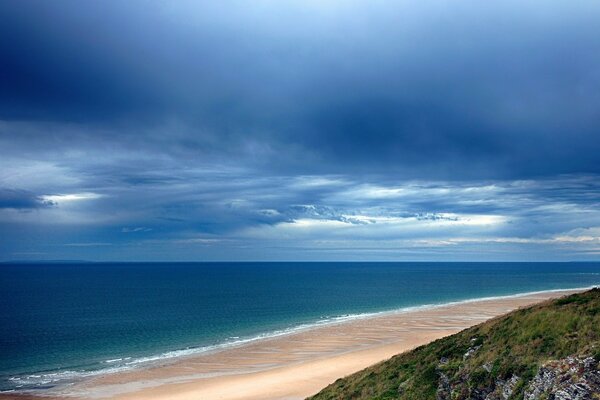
(21, 200)
(425, 90)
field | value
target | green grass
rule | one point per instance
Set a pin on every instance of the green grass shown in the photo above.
(515, 344)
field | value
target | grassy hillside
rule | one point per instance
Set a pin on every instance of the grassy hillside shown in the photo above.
(496, 359)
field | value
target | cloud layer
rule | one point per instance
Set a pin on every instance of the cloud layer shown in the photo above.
(299, 130)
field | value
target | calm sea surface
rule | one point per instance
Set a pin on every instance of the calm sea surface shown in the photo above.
(60, 322)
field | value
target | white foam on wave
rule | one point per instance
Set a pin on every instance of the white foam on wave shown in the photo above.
(114, 360)
(52, 379)
(61, 378)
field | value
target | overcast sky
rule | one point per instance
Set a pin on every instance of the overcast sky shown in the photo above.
(300, 130)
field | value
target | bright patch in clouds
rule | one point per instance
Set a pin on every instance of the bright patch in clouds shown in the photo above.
(356, 227)
(432, 220)
(69, 198)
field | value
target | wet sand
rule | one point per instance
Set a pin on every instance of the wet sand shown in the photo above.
(298, 365)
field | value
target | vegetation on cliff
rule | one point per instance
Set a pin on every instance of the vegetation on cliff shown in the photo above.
(505, 358)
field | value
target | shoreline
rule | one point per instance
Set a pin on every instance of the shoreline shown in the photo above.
(336, 348)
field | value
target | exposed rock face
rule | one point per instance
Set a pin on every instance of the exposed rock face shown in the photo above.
(503, 389)
(571, 378)
(507, 387)
(444, 391)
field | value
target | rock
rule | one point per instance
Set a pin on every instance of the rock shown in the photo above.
(471, 351)
(571, 378)
(488, 366)
(509, 387)
(503, 388)
(444, 390)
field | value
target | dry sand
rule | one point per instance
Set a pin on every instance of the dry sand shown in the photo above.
(298, 365)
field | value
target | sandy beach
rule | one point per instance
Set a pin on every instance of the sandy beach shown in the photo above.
(298, 365)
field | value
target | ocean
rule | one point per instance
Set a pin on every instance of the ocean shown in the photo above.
(60, 322)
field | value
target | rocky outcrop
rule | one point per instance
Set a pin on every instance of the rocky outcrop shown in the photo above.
(444, 390)
(571, 378)
(504, 389)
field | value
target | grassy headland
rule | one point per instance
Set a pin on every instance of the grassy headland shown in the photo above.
(500, 359)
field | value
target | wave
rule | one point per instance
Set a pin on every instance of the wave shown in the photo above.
(59, 379)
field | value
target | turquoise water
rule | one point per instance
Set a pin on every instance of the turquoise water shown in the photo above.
(60, 322)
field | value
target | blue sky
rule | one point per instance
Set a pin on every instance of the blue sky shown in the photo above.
(300, 130)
